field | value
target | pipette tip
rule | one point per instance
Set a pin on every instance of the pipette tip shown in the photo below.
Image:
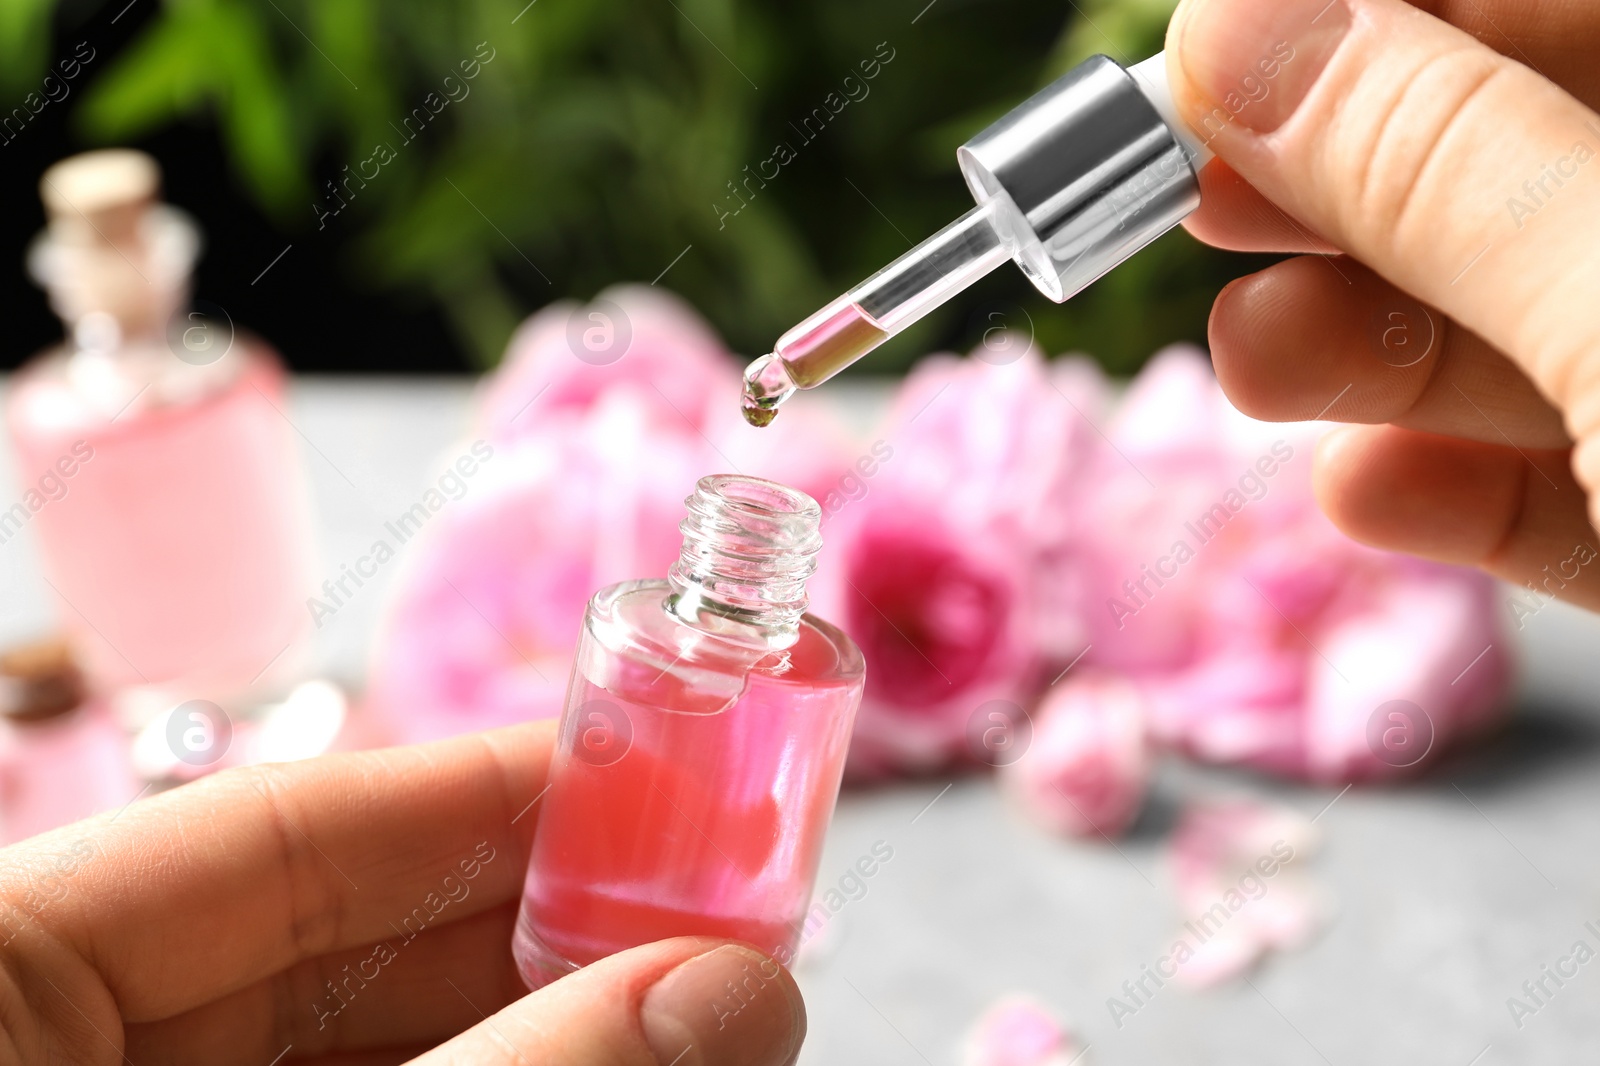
(766, 386)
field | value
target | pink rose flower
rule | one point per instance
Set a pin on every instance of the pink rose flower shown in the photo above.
(1085, 770)
(563, 360)
(1427, 654)
(681, 381)
(1169, 455)
(1018, 1031)
(936, 570)
(1321, 637)
(940, 610)
(1258, 633)
(482, 626)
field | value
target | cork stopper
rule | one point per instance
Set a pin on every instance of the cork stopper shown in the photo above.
(39, 681)
(101, 195)
(113, 253)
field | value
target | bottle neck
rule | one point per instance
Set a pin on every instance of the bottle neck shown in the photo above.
(114, 287)
(121, 291)
(748, 547)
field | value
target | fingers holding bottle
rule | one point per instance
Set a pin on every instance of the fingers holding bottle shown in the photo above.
(685, 1002)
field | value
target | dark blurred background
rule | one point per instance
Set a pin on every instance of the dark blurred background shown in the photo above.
(597, 142)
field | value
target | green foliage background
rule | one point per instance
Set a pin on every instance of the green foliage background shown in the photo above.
(597, 141)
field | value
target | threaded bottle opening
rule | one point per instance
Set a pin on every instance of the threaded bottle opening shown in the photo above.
(748, 547)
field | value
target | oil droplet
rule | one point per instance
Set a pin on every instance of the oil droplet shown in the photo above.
(757, 415)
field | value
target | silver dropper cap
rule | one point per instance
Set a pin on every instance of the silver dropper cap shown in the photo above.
(1085, 173)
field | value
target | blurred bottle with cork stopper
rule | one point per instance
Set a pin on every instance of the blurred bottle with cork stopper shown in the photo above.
(160, 475)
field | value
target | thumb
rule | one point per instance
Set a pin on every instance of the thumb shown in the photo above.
(1461, 176)
(686, 1002)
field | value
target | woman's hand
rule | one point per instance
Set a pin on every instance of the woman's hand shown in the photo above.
(351, 909)
(1449, 149)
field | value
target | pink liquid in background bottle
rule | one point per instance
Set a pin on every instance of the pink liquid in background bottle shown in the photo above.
(701, 746)
(160, 474)
(176, 545)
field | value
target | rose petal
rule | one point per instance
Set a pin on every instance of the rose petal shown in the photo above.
(1236, 865)
(1018, 1031)
(1227, 954)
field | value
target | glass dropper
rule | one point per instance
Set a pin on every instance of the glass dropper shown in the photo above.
(873, 311)
(1070, 183)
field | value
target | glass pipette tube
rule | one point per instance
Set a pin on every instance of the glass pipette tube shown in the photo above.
(875, 310)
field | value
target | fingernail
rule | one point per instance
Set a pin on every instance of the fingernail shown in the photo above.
(728, 1006)
(1254, 61)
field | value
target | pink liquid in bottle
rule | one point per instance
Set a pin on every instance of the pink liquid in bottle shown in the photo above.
(700, 754)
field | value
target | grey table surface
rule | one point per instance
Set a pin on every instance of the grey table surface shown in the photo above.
(1449, 892)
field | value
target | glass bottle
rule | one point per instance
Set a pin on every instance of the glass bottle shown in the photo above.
(160, 472)
(61, 758)
(701, 745)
